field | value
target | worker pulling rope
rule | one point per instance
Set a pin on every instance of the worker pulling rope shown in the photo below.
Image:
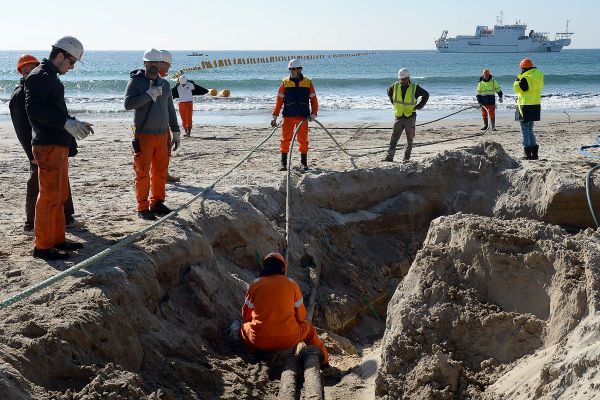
(128, 240)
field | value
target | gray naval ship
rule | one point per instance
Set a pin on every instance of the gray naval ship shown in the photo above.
(504, 39)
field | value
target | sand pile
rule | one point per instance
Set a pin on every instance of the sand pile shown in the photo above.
(495, 309)
(149, 322)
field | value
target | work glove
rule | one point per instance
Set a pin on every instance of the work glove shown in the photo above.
(274, 121)
(175, 141)
(312, 117)
(154, 91)
(500, 99)
(78, 129)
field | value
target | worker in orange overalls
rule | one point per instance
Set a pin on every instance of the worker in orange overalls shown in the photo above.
(294, 95)
(274, 316)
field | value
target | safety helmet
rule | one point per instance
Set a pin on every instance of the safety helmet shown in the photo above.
(403, 73)
(486, 72)
(166, 56)
(71, 45)
(26, 59)
(152, 55)
(295, 63)
(183, 79)
(526, 63)
(273, 264)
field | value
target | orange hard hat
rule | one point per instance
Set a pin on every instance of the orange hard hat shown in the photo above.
(526, 63)
(275, 256)
(26, 59)
(486, 72)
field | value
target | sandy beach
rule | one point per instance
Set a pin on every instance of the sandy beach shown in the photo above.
(102, 186)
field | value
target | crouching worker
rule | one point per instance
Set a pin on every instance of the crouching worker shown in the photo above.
(274, 316)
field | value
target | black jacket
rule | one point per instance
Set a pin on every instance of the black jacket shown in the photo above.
(46, 108)
(19, 118)
(198, 90)
(20, 121)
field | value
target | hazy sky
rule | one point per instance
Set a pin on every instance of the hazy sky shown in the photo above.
(278, 25)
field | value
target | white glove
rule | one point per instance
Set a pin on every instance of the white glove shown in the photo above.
(500, 99)
(154, 91)
(78, 129)
(274, 121)
(175, 140)
(312, 117)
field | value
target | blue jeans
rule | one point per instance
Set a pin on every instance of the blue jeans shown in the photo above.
(528, 137)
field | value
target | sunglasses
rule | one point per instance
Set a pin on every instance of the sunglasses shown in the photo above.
(294, 69)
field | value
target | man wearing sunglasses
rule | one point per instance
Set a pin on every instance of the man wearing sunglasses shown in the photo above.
(298, 98)
(53, 133)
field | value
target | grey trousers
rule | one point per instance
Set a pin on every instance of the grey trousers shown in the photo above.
(401, 124)
(33, 189)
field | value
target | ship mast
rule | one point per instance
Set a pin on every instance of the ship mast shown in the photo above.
(500, 18)
(566, 34)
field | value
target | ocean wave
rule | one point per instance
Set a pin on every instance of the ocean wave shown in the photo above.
(265, 103)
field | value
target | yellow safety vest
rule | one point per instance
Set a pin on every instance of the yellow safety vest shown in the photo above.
(488, 88)
(533, 96)
(404, 106)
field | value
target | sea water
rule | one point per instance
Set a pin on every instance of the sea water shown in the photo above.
(349, 89)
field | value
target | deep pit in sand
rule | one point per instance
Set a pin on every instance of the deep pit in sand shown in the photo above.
(485, 291)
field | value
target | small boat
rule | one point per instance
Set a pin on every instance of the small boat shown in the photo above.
(196, 54)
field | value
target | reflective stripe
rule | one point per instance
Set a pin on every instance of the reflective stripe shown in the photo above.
(291, 280)
(281, 95)
(248, 303)
(488, 88)
(298, 303)
(313, 95)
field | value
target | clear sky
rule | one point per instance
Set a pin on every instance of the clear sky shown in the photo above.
(278, 25)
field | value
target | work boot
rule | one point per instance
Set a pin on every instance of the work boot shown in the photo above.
(304, 161)
(147, 215)
(407, 151)
(527, 151)
(72, 223)
(171, 178)
(160, 209)
(485, 124)
(283, 162)
(388, 159)
(50, 254)
(493, 120)
(534, 152)
(68, 245)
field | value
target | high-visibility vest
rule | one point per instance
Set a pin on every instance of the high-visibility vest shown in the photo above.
(533, 96)
(489, 88)
(404, 106)
(297, 98)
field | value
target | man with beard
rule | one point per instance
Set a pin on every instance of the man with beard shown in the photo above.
(53, 133)
(150, 97)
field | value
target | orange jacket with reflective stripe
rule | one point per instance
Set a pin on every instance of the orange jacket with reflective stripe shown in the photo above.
(274, 306)
(294, 98)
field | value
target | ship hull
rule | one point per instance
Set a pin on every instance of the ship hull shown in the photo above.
(479, 46)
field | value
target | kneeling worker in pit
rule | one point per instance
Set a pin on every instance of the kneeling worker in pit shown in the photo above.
(274, 316)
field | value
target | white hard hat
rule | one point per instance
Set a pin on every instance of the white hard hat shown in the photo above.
(166, 56)
(152, 55)
(294, 63)
(71, 45)
(403, 73)
(183, 79)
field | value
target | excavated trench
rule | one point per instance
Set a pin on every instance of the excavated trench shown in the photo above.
(151, 323)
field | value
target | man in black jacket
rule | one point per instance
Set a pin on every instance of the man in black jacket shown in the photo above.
(25, 65)
(53, 133)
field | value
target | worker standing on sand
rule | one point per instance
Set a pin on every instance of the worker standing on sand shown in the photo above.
(185, 90)
(150, 97)
(404, 94)
(528, 87)
(18, 114)
(53, 134)
(487, 88)
(298, 98)
(274, 316)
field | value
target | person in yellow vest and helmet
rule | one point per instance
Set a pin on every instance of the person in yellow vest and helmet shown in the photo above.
(298, 98)
(528, 87)
(487, 88)
(404, 94)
